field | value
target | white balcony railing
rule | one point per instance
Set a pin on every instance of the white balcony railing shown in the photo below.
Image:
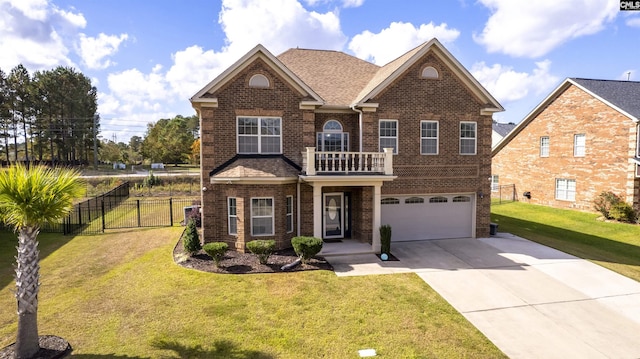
(314, 163)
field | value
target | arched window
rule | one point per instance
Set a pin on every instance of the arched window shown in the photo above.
(389, 201)
(332, 139)
(429, 72)
(259, 81)
(414, 200)
(438, 199)
(461, 199)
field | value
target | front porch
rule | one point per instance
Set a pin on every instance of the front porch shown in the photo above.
(345, 247)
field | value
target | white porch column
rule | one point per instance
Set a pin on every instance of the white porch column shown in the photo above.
(375, 243)
(317, 210)
(388, 161)
(311, 161)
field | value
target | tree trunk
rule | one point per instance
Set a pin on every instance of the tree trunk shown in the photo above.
(27, 287)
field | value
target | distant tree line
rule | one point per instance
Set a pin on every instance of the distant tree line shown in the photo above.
(168, 140)
(49, 115)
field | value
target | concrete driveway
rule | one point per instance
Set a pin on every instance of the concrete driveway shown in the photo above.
(530, 300)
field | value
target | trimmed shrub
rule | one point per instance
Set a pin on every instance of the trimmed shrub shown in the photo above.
(385, 238)
(191, 239)
(622, 212)
(262, 248)
(306, 247)
(605, 201)
(216, 251)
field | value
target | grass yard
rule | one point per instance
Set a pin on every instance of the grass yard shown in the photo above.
(612, 245)
(121, 295)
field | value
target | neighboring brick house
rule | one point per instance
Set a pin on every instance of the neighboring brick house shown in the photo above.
(578, 142)
(323, 144)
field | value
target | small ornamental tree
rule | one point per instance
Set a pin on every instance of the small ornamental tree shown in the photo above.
(191, 239)
(385, 238)
(306, 247)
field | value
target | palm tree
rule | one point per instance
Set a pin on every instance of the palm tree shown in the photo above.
(30, 197)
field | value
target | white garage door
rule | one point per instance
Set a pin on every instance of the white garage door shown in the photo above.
(428, 216)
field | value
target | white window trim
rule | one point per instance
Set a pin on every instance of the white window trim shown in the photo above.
(230, 216)
(475, 138)
(576, 147)
(542, 154)
(495, 183)
(638, 141)
(289, 214)
(259, 135)
(437, 138)
(397, 149)
(271, 216)
(566, 190)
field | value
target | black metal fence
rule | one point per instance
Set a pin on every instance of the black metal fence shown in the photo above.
(504, 194)
(115, 210)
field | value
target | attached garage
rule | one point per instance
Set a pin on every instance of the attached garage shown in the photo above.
(419, 217)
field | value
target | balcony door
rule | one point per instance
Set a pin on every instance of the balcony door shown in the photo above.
(333, 215)
(332, 138)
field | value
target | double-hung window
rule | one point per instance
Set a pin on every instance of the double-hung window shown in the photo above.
(429, 137)
(468, 136)
(388, 135)
(261, 216)
(233, 215)
(289, 214)
(259, 135)
(579, 145)
(565, 189)
(544, 146)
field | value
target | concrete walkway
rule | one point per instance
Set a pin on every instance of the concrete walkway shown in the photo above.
(531, 301)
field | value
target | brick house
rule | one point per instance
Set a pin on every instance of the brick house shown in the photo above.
(579, 141)
(323, 144)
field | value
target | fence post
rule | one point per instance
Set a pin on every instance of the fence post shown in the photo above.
(103, 222)
(138, 210)
(170, 212)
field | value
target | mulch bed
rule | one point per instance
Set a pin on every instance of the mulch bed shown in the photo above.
(245, 263)
(51, 347)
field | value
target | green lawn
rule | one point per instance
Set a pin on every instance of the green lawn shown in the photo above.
(121, 295)
(612, 245)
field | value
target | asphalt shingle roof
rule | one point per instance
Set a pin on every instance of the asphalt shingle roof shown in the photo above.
(622, 94)
(335, 76)
(503, 129)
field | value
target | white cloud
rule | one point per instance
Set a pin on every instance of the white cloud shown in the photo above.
(526, 28)
(94, 50)
(35, 33)
(507, 85)
(245, 23)
(633, 22)
(397, 39)
(343, 3)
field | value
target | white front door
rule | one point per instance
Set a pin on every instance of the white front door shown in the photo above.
(333, 217)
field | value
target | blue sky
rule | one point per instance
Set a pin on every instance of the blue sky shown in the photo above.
(147, 58)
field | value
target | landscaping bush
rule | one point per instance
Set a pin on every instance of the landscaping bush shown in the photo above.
(605, 201)
(216, 251)
(262, 248)
(623, 212)
(191, 239)
(614, 207)
(385, 238)
(152, 180)
(306, 247)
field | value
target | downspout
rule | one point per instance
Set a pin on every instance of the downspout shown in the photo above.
(298, 206)
(353, 107)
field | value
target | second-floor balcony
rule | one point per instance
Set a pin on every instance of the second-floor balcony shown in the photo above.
(347, 163)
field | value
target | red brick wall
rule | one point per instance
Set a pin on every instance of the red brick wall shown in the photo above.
(411, 99)
(610, 143)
